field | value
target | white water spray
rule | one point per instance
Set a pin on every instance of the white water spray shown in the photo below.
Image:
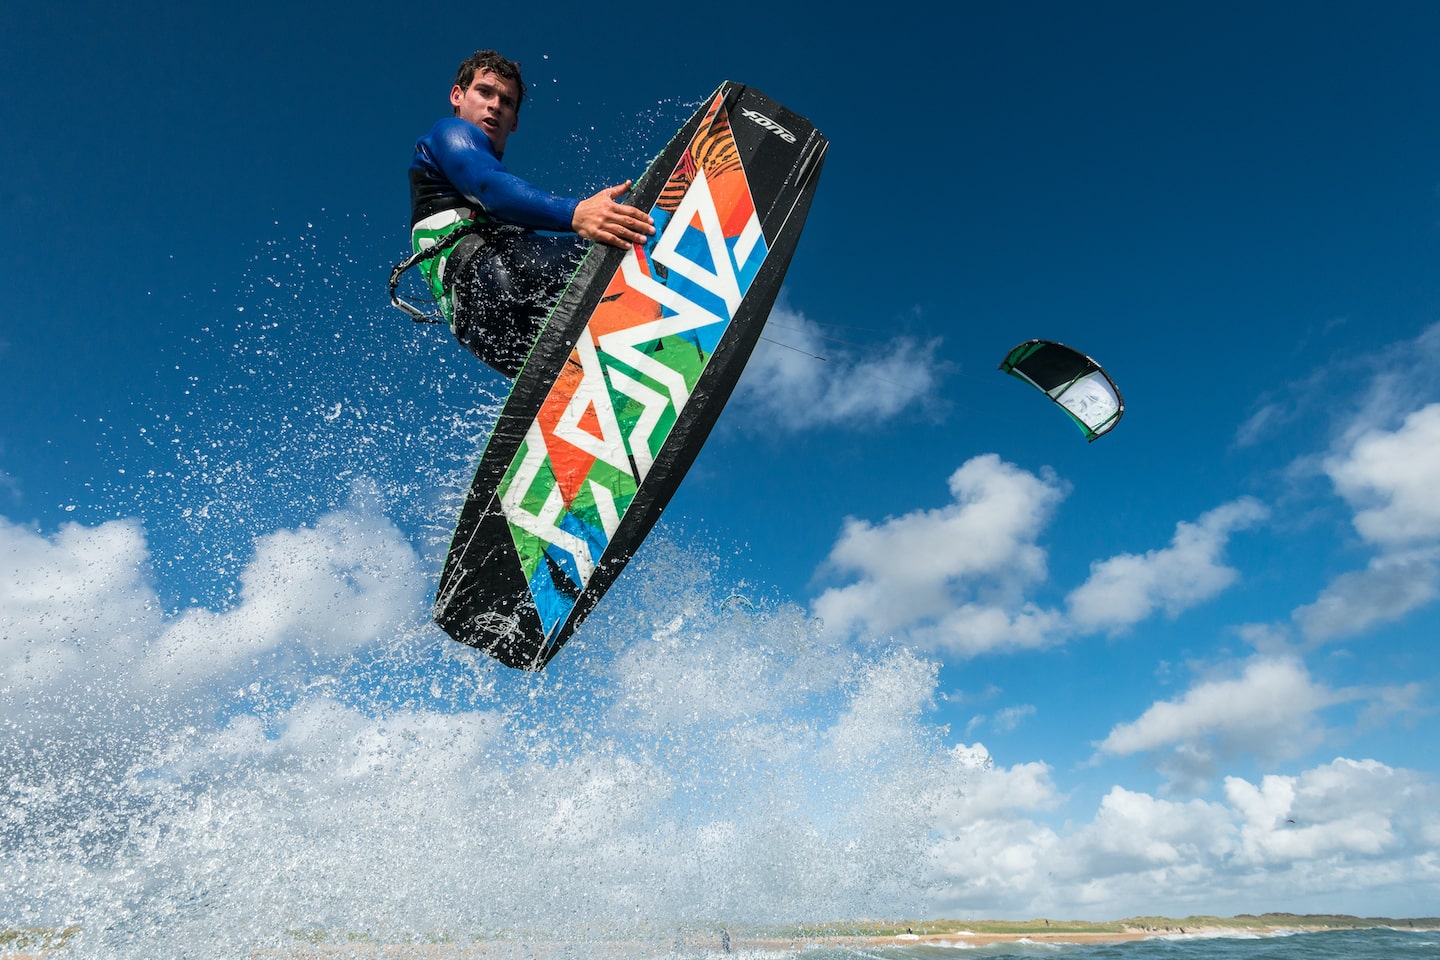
(297, 756)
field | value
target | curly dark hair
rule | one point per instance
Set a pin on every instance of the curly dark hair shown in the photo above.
(482, 60)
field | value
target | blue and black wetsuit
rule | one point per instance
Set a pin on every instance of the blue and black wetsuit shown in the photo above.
(498, 282)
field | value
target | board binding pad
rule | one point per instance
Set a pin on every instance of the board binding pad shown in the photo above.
(627, 379)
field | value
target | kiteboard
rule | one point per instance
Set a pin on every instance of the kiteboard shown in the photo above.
(627, 379)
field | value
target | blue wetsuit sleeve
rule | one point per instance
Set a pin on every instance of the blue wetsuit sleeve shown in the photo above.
(463, 153)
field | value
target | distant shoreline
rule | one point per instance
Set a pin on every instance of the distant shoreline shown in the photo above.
(979, 933)
(38, 943)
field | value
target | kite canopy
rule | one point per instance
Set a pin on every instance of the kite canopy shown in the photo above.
(1074, 381)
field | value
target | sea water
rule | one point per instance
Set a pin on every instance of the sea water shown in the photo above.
(1376, 944)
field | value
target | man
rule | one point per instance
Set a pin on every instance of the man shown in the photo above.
(473, 223)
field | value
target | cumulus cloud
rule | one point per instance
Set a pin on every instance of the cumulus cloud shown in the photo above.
(79, 603)
(1397, 380)
(1133, 831)
(1356, 833)
(325, 590)
(98, 684)
(103, 695)
(1390, 587)
(1269, 710)
(1123, 590)
(1346, 808)
(80, 606)
(788, 384)
(1384, 462)
(1388, 477)
(762, 770)
(1391, 478)
(987, 854)
(955, 578)
(950, 578)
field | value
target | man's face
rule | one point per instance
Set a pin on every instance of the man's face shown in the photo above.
(492, 103)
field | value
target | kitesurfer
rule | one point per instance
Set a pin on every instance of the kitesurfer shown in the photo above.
(473, 223)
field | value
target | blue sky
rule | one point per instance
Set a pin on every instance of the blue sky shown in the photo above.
(1190, 667)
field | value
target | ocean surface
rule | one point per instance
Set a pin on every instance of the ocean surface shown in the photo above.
(1378, 944)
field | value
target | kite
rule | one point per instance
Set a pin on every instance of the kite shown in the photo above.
(1072, 380)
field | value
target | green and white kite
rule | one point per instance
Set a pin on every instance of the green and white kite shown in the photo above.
(1075, 382)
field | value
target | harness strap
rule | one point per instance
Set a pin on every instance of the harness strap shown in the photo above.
(417, 313)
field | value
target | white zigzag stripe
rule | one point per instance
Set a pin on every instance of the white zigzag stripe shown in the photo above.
(609, 447)
(605, 506)
(543, 524)
(745, 243)
(654, 404)
(722, 280)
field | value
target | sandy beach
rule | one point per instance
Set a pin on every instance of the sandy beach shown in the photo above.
(985, 939)
(503, 949)
(986, 933)
(743, 943)
(970, 939)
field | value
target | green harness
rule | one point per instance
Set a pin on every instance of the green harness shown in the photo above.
(432, 240)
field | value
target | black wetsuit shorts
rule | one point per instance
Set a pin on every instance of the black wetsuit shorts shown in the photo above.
(505, 282)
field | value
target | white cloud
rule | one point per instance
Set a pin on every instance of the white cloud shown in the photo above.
(1009, 718)
(987, 855)
(991, 791)
(1004, 720)
(1128, 588)
(1347, 808)
(1361, 840)
(1390, 587)
(77, 604)
(1134, 832)
(1391, 478)
(1399, 379)
(971, 629)
(789, 385)
(327, 590)
(84, 644)
(780, 776)
(1380, 388)
(955, 578)
(1383, 412)
(106, 701)
(1269, 710)
(950, 578)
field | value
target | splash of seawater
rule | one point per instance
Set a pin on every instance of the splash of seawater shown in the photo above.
(232, 729)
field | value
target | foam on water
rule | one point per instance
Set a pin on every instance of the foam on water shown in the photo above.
(230, 728)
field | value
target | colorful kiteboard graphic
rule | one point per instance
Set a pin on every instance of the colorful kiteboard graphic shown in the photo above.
(1076, 383)
(627, 379)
